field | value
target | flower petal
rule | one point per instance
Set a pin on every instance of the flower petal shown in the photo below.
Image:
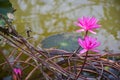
(83, 51)
(94, 50)
(77, 24)
(96, 44)
(80, 30)
(81, 42)
(92, 31)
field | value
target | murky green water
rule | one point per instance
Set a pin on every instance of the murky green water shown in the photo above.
(47, 17)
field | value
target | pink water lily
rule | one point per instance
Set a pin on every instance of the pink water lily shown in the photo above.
(17, 74)
(87, 24)
(88, 43)
(17, 71)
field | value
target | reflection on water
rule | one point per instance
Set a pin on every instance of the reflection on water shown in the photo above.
(47, 17)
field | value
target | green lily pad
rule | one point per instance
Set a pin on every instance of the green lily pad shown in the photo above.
(64, 41)
(5, 7)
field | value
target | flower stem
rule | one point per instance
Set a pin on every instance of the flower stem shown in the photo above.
(82, 66)
(86, 33)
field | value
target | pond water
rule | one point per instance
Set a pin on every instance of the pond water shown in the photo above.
(48, 17)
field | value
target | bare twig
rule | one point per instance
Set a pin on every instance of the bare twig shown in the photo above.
(99, 78)
(82, 66)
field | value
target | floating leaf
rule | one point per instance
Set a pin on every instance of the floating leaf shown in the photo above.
(64, 41)
(5, 7)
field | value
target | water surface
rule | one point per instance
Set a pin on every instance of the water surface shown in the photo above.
(48, 17)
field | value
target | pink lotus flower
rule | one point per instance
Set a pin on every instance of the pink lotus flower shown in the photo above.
(88, 43)
(17, 71)
(87, 24)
